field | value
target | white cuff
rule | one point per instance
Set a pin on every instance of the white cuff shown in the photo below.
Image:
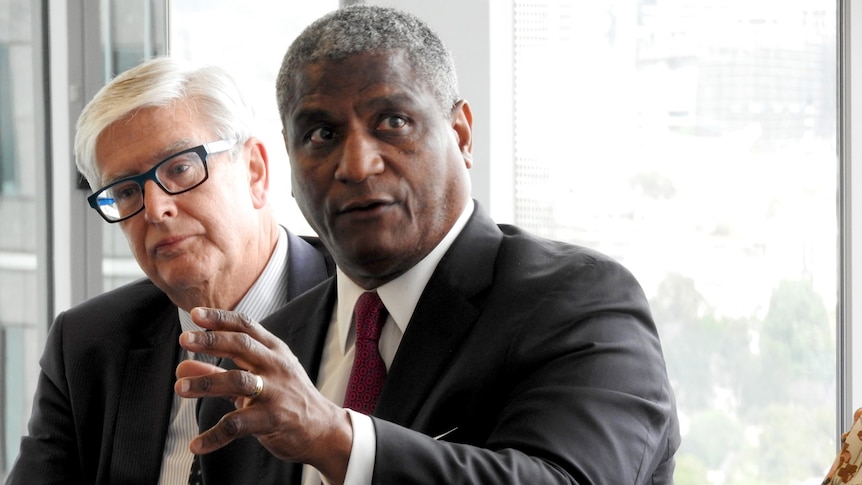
(362, 451)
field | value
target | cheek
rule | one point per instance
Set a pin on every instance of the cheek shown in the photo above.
(136, 237)
(309, 201)
(308, 183)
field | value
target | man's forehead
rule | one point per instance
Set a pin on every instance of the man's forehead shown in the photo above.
(363, 67)
(360, 91)
(146, 136)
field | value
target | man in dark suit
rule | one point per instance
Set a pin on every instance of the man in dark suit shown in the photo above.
(508, 358)
(172, 154)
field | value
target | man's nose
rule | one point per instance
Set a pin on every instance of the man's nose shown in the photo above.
(360, 158)
(158, 204)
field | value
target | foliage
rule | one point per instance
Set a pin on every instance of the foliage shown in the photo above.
(755, 395)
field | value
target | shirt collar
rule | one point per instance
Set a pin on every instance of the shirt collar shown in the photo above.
(268, 293)
(401, 294)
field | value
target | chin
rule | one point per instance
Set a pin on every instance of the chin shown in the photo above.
(179, 278)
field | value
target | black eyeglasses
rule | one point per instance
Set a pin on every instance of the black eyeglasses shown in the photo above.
(176, 174)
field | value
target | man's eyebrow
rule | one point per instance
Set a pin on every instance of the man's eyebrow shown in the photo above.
(391, 100)
(309, 115)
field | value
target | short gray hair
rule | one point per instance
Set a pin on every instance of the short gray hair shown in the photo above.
(370, 29)
(160, 83)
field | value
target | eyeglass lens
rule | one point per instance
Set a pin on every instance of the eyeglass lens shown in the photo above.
(174, 175)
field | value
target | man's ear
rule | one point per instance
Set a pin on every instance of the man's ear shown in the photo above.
(258, 171)
(462, 125)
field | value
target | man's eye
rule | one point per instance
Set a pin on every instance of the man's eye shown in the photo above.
(124, 192)
(321, 135)
(392, 123)
(178, 169)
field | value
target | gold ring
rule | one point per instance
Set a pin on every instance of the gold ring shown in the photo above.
(258, 387)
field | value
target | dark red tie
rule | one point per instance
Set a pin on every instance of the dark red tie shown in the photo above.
(369, 371)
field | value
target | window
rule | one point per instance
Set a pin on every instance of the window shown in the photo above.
(695, 141)
(8, 178)
(23, 197)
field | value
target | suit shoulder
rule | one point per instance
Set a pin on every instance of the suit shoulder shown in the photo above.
(128, 310)
(520, 242)
(130, 297)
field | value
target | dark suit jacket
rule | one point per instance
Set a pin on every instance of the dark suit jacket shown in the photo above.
(538, 360)
(103, 400)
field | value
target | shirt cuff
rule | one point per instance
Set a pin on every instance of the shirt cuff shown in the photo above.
(360, 467)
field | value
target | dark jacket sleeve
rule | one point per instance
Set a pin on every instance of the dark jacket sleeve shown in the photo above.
(561, 380)
(48, 453)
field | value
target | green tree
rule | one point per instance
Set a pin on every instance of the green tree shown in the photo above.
(704, 354)
(797, 350)
(796, 332)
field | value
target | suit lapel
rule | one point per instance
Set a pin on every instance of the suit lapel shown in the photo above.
(307, 265)
(449, 307)
(142, 421)
(431, 338)
(304, 326)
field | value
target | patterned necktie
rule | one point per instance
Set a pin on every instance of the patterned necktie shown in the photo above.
(369, 371)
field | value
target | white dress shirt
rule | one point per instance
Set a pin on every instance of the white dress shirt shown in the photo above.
(400, 297)
(268, 294)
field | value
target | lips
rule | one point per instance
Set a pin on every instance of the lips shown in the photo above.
(364, 205)
(168, 243)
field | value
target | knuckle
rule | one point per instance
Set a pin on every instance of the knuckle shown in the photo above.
(245, 320)
(245, 342)
(238, 378)
(208, 339)
(221, 316)
(232, 425)
(227, 317)
(204, 383)
(248, 382)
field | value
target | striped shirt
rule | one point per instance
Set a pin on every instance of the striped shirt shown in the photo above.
(268, 294)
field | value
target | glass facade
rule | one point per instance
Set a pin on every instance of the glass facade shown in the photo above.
(24, 299)
(706, 162)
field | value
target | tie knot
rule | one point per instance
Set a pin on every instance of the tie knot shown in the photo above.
(369, 315)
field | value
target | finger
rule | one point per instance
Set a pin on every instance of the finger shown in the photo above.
(244, 401)
(193, 368)
(231, 426)
(235, 336)
(236, 345)
(227, 383)
(216, 319)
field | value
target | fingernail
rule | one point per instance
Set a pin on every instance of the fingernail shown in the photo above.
(185, 385)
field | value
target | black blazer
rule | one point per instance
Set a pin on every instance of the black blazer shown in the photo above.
(537, 361)
(103, 399)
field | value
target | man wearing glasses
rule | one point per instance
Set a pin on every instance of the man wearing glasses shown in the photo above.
(172, 156)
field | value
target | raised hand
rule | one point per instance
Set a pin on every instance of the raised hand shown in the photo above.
(275, 399)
